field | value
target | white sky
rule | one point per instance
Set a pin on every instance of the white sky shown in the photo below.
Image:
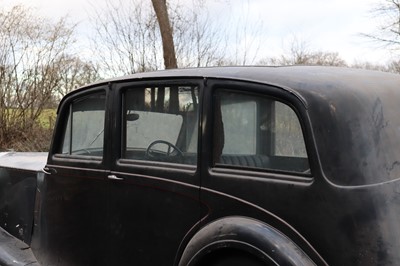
(324, 25)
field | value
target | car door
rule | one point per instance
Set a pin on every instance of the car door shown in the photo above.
(258, 171)
(73, 194)
(154, 182)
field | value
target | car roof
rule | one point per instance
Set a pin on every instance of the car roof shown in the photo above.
(303, 81)
(264, 74)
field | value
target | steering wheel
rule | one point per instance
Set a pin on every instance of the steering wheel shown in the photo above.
(172, 150)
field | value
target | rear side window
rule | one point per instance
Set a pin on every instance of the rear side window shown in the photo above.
(288, 137)
(84, 133)
(254, 131)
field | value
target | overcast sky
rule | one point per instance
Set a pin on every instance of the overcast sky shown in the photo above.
(323, 25)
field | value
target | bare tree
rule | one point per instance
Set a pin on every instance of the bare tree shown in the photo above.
(199, 40)
(73, 73)
(245, 37)
(311, 58)
(394, 67)
(300, 54)
(391, 67)
(32, 52)
(387, 14)
(126, 39)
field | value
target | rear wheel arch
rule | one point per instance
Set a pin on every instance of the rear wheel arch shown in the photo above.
(245, 237)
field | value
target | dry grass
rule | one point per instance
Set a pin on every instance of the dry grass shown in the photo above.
(36, 137)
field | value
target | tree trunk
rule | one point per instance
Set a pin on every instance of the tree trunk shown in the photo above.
(160, 8)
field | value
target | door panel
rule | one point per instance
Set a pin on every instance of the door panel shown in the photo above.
(73, 214)
(73, 217)
(149, 218)
(258, 164)
(154, 185)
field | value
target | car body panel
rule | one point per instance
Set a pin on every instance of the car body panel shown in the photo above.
(343, 210)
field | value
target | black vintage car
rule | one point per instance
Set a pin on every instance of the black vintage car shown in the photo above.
(214, 166)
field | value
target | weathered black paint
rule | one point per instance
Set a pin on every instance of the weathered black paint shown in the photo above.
(17, 194)
(346, 212)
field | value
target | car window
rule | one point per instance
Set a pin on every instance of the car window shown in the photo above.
(84, 133)
(161, 124)
(257, 132)
(240, 120)
(289, 139)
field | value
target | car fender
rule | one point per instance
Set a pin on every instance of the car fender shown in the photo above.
(245, 234)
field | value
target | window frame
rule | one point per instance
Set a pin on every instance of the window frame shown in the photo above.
(153, 166)
(63, 112)
(271, 92)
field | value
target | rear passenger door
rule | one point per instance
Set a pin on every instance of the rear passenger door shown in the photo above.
(154, 182)
(256, 153)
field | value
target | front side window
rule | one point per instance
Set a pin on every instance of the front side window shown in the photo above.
(84, 133)
(253, 131)
(161, 124)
